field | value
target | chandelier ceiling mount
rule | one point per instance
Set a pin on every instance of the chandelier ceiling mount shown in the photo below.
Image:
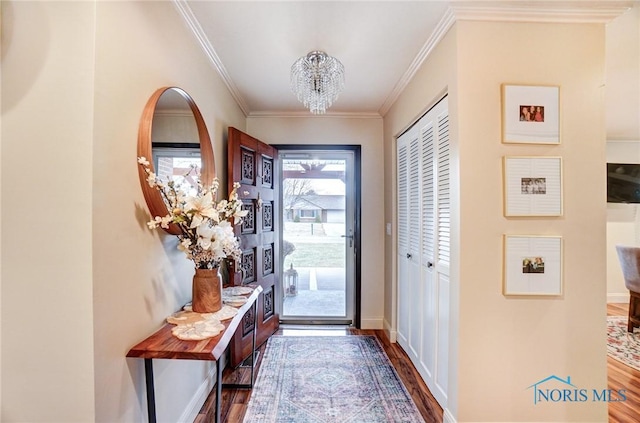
(317, 79)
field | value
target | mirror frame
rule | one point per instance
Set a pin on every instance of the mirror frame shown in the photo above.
(153, 198)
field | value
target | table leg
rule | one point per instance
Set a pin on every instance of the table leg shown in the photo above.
(151, 398)
(218, 390)
(253, 342)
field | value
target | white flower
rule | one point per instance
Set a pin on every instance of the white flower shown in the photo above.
(152, 224)
(206, 235)
(165, 221)
(151, 179)
(199, 208)
(239, 214)
(184, 245)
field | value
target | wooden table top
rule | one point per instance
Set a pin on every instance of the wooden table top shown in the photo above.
(163, 344)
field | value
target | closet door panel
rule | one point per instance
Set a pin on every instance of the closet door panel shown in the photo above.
(443, 172)
(429, 326)
(443, 253)
(403, 241)
(427, 216)
(415, 284)
(442, 371)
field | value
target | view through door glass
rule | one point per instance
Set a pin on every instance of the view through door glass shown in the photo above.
(317, 242)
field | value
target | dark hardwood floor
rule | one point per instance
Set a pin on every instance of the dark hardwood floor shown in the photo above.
(234, 402)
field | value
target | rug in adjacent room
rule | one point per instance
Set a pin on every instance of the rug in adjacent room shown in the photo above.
(622, 345)
(328, 379)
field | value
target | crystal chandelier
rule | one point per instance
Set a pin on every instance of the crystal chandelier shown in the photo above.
(317, 79)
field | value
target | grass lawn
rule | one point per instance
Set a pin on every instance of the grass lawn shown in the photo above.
(316, 255)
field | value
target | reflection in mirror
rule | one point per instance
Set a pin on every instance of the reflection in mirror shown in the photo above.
(175, 143)
(181, 164)
(174, 138)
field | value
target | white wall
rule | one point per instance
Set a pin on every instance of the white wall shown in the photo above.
(623, 76)
(85, 279)
(366, 132)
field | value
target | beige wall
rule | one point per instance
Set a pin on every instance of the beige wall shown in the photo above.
(47, 310)
(435, 78)
(366, 132)
(98, 280)
(507, 344)
(83, 279)
(531, 338)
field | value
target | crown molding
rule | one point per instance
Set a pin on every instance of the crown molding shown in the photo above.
(447, 21)
(495, 11)
(540, 11)
(307, 114)
(508, 11)
(198, 32)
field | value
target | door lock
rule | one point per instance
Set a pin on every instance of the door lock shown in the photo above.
(350, 236)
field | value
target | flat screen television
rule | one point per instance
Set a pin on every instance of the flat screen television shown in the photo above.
(623, 183)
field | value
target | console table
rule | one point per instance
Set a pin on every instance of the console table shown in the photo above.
(163, 344)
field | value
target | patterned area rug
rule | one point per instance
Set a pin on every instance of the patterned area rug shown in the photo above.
(328, 379)
(622, 345)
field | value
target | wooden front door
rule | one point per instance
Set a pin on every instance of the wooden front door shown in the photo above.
(251, 163)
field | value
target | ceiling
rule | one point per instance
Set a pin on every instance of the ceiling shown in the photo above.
(254, 44)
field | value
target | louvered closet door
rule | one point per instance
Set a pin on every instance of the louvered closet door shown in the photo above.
(413, 264)
(429, 230)
(409, 241)
(443, 255)
(424, 233)
(403, 239)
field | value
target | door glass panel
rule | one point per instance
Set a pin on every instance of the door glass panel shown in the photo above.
(315, 237)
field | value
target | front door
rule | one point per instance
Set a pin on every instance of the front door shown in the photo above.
(251, 163)
(319, 235)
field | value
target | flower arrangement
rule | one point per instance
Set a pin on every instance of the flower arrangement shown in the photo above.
(206, 234)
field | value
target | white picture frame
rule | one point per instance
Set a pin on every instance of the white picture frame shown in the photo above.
(532, 265)
(530, 114)
(532, 186)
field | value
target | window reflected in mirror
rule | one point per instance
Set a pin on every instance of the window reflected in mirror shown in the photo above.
(179, 163)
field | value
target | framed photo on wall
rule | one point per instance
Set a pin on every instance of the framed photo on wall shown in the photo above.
(532, 265)
(532, 186)
(530, 114)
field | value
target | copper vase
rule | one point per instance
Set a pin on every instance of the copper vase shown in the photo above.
(207, 291)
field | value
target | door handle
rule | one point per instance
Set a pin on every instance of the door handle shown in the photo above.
(350, 239)
(429, 264)
(409, 256)
(350, 236)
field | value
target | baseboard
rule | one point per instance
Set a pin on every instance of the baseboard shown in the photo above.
(371, 323)
(618, 298)
(447, 417)
(193, 408)
(392, 334)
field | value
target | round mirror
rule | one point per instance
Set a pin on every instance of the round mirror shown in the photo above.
(172, 136)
